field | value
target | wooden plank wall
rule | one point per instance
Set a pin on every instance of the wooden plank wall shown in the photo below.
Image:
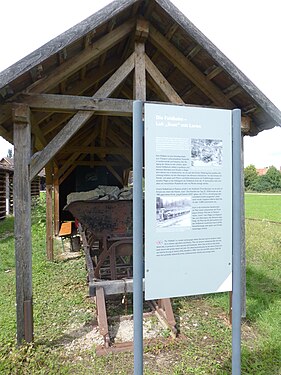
(2, 194)
(35, 187)
(35, 192)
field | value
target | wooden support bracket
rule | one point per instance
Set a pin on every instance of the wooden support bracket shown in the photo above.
(142, 30)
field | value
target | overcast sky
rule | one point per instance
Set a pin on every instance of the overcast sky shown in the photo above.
(246, 31)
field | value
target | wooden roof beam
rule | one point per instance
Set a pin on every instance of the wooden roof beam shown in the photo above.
(103, 132)
(126, 126)
(75, 63)
(110, 27)
(193, 52)
(115, 139)
(80, 118)
(60, 172)
(112, 171)
(69, 103)
(142, 30)
(97, 163)
(76, 89)
(168, 91)
(5, 134)
(188, 69)
(92, 150)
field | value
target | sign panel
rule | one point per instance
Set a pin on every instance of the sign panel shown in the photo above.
(188, 201)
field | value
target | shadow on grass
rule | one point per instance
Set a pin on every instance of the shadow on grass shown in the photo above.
(262, 292)
(262, 361)
(69, 337)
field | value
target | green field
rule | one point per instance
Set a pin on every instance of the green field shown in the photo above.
(263, 206)
(63, 315)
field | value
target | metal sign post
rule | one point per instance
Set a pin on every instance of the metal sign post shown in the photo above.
(138, 236)
(189, 237)
(236, 242)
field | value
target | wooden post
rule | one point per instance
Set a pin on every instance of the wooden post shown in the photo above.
(49, 212)
(139, 81)
(142, 31)
(22, 228)
(56, 204)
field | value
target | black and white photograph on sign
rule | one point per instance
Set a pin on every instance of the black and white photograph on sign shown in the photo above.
(173, 212)
(206, 152)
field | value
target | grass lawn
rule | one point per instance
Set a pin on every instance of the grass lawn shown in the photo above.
(263, 206)
(61, 307)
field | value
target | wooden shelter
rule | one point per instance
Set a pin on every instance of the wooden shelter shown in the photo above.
(69, 104)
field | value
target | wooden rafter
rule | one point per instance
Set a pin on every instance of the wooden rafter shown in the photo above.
(76, 89)
(76, 155)
(96, 150)
(126, 147)
(188, 69)
(161, 82)
(4, 133)
(80, 118)
(75, 63)
(113, 171)
(97, 163)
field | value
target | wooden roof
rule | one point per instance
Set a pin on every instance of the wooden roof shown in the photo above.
(7, 164)
(81, 60)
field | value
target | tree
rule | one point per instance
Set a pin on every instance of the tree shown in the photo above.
(273, 176)
(261, 184)
(250, 176)
(10, 153)
(271, 181)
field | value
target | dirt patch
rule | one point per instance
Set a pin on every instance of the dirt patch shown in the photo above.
(70, 255)
(84, 337)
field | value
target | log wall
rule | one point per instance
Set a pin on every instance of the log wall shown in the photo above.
(6, 191)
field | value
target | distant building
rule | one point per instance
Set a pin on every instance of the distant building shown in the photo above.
(6, 186)
(262, 171)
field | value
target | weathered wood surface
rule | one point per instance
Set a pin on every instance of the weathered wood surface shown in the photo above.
(56, 203)
(189, 69)
(112, 287)
(63, 40)
(97, 150)
(22, 227)
(98, 163)
(221, 59)
(80, 118)
(69, 162)
(72, 65)
(49, 212)
(162, 82)
(7, 189)
(139, 79)
(71, 103)
(112, 171)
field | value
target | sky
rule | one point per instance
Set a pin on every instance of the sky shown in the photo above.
(246, 31)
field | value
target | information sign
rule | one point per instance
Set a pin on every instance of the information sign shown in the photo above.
(188, 200)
